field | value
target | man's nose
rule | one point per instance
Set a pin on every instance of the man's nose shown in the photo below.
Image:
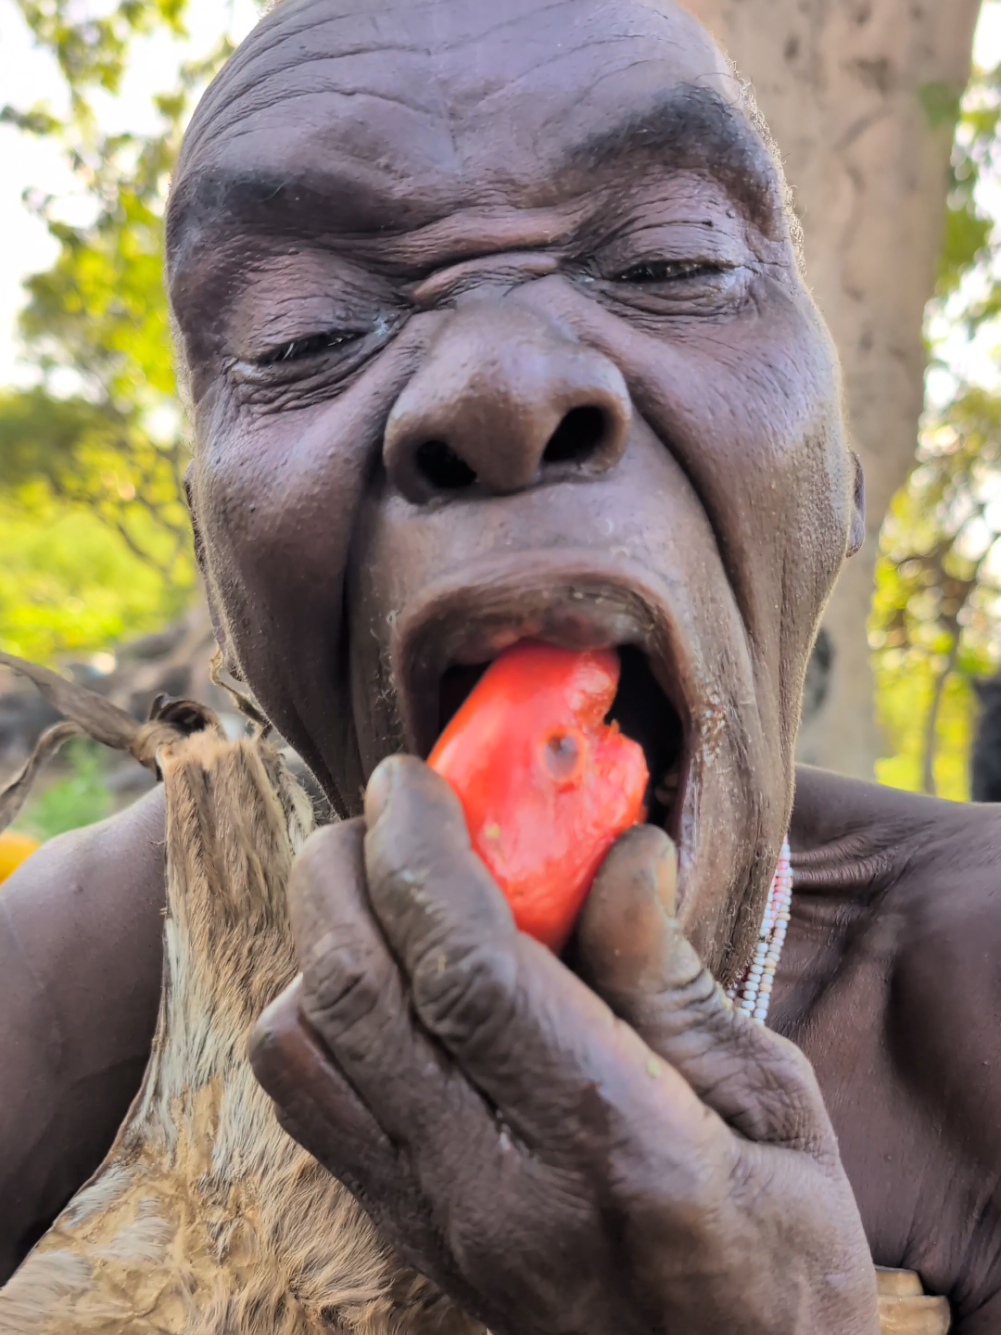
(502, 399)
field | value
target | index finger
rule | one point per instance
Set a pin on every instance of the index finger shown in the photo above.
(543, 1048)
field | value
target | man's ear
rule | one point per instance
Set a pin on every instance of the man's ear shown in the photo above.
(857, 535)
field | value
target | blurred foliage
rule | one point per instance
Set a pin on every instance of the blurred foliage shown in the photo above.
(93, 456)
(936, 607)
(68, 583)
(936, 604)
(81, 798)
(94, 544)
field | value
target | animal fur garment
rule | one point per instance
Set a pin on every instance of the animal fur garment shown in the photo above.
(206, 1218)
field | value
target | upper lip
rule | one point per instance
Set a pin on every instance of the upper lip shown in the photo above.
(576, 604)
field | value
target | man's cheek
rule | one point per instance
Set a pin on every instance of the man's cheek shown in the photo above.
(285, 484)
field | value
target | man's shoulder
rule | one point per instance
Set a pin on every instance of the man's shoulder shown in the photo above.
(893, 990)
(100, 885)
(130, 844)
(80, 967)
(919, 875)
(914, 883)
(895, 849)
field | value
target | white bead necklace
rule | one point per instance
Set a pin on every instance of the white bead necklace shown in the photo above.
(752, 993)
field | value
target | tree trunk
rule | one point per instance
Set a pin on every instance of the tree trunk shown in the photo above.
(857, 93)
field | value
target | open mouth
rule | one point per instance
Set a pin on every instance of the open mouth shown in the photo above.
(445, 653)
(641, 710)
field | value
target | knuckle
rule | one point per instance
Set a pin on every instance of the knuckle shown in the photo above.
(784, 1087)
(698, 1003)
(689, 1017)
(344, 988)
(466, 994)
(760, 1083)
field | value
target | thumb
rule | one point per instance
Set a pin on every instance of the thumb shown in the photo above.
(633, 953)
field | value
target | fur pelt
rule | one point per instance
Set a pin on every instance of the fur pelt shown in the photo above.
(206, 1218)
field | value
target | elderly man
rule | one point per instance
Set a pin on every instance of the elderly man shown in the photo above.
(494, 327)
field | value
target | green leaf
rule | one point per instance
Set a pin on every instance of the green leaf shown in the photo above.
(94, 536)
(79, 799)
(966, 236)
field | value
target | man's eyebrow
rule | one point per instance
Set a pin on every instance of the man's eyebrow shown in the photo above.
(241, 199)
(691, 128)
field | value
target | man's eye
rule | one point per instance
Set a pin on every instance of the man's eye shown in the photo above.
(667, 271)
(300, 348)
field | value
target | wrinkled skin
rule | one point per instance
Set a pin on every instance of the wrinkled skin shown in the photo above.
(648, 1161)
(433, 188)
(411, 248)
(888, 984)
(398, 268)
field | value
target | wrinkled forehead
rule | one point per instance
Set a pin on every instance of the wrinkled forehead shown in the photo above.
(424, 98)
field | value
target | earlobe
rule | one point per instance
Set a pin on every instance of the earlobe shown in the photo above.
(857, 535)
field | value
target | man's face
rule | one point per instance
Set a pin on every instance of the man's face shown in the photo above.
(495, 331)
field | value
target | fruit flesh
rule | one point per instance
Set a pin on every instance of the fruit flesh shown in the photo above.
(546, 785)
(14, 850)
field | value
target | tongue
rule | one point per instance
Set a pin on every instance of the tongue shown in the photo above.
(546, 785)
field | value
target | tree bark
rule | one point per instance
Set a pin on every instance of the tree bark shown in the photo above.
(856, 93)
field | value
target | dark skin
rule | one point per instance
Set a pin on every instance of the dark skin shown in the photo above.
(494, 328)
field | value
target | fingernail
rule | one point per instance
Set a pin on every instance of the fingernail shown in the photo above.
(379, 789)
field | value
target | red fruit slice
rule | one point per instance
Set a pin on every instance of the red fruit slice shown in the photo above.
(546, 785)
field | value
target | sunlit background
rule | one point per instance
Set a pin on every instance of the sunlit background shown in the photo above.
(94, 545)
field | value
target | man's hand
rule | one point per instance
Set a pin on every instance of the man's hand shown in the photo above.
(634, 1158)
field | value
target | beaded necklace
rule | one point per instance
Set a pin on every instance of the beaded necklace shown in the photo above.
(752, 993)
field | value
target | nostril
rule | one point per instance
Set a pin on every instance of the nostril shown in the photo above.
(578, 436)
(440, 466)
